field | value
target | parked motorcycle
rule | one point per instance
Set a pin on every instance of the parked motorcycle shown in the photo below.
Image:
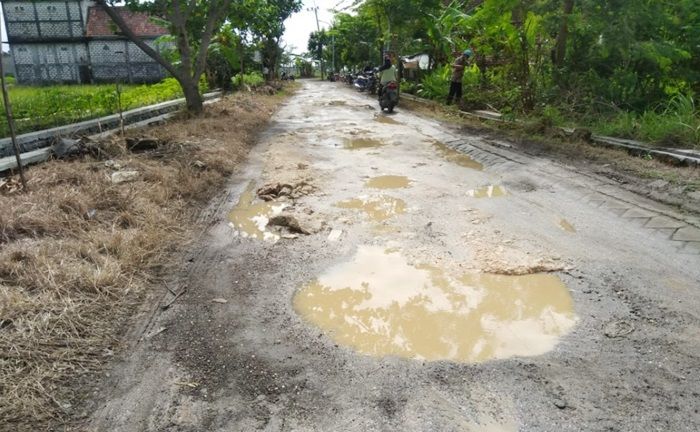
(389, 96)
(365, 80)
(373, 82)
(362, 82)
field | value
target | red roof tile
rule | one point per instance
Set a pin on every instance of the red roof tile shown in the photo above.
(100, 24)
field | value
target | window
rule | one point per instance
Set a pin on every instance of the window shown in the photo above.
(19, 8)
(106, 48)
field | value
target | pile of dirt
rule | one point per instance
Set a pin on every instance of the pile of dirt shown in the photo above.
(274, 191)
(90, 238)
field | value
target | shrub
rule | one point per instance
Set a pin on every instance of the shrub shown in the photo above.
(253, 79)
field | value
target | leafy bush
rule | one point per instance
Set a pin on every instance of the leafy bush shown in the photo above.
(409, 87)
(435, 85)
(253, 79)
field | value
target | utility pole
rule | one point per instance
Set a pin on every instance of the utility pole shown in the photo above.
(11, 125)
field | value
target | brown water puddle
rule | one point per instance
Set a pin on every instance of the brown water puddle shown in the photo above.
(378, 209)
(388, 182)
(381, 305)
(452, 155)
(249, 218)
(385, 120)
(362, 143)
(488, 192)
(566, 226)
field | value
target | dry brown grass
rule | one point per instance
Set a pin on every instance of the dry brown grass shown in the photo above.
(78, 253)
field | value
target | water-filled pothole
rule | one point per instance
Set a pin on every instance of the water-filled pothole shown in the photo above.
(452, 155)
(250, 218)
(386, 120)
(362, 143)
(377, 209)
(488, 192)
(566, 226)
(388, 182)
(379, 304)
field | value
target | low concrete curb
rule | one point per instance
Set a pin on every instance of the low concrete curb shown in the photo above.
(37, 146)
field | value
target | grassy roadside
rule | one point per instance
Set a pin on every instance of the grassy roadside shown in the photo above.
(673, 185)
(37, 108)
(79, 252)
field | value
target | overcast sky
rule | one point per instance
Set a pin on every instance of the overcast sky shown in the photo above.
(301, 24)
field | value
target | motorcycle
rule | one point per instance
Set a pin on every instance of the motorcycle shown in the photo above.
(372, 82)
(361, 82)
(367, 81)
(389, 96)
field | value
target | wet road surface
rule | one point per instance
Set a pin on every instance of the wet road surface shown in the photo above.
(446, 283)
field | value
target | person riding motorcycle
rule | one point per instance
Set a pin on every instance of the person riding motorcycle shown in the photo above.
(387, 74)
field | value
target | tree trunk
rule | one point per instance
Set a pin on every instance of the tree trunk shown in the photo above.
(519, 15)
(560, 49)
(193, 99)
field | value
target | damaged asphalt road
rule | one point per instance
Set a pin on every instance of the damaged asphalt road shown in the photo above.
(431, 282)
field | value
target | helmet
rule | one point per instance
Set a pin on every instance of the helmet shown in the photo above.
(468, 52)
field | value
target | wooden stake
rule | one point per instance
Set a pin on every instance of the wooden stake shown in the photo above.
(11, 125)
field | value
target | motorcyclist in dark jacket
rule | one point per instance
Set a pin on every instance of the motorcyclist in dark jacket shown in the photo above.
(387, 73)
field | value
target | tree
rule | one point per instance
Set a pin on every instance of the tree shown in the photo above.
(192, 23)
(265, 20)
(318, 40)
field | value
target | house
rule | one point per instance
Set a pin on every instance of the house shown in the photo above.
(75, 41)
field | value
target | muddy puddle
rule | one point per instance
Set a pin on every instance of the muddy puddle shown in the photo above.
(381, 305)
(566, 226)
(385, 120)
(362, 143)
(249, 218)
(452, 155)
(378, 209)
(388, 182)
(488, 192)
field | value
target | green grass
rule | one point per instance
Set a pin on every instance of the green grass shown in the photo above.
(37, 108)
(674, 124)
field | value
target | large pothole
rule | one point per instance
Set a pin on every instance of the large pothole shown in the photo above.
(381, 305)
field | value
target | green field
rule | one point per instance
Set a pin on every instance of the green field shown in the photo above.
(37, 108)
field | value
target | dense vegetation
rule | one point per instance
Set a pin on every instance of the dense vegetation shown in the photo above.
(37, 108)
(622, 67)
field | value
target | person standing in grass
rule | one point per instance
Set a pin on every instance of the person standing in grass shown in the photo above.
(457, 73)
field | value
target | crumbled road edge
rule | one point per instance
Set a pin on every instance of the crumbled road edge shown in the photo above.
(94, 235)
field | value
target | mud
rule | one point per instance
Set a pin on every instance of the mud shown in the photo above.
(250, 218)
(488, 192)
(605, 340)
(566, 226)
(456, 157)
(388, 182)
(385, 120)
(362, 143)
(377, 209)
